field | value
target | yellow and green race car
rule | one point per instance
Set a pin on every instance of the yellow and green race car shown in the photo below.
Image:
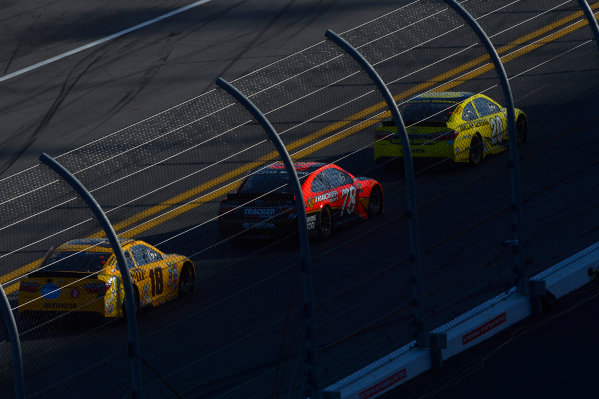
(81, 277)
(462, 127)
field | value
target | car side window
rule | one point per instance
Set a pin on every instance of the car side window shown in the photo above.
(469, 114)
(319, 184)
(144, 255)
(151, 255)
(139, 255)
(485, 107)
(336, 177)
(344, 178)
(129, 259)
(493, 108)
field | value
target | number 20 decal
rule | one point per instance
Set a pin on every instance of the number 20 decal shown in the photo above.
(496, 125)
(156, 281)
(348, 195)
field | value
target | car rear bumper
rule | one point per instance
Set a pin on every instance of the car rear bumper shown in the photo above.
(389, 149)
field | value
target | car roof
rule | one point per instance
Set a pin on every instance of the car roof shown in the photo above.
(302, 168)
(91, 244)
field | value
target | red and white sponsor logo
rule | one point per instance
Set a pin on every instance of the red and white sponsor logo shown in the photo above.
(384, 385)
(75, 293)
(485, 328)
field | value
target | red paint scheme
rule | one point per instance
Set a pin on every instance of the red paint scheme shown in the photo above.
(264, 204)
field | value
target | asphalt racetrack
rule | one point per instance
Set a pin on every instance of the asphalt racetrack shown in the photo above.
(240, 334)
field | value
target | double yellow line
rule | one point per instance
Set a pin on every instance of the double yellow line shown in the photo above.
(454, 77)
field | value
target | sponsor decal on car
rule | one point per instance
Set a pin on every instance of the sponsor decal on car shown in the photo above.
(249, 225)
(172, 276)
(58, 305)
(471, 125)
(331, 195)
(137, 274)
(145, 294)
(50, 291)
(311, 222)
(264, 212)
(111, 295)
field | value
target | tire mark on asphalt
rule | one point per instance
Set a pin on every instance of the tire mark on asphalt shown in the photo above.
(255, 40)
(16, 50)
(305, 25)
(64, 92)
(162, 60)
(146, 78)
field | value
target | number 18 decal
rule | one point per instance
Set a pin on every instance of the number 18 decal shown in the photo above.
(496, 125)
(348, 195)
(156, 281)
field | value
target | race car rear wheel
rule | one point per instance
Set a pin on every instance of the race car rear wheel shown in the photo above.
(375, 203)
(522, 129)
(186, 280)
(324, 223)
(476, 150)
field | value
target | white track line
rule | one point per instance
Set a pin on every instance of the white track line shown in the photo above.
(103, 40)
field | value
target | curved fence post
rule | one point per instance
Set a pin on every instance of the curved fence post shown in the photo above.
(517, 244)
(133, 351)
(414, 258)
(592, 21)
(305, 265)
(15, 345)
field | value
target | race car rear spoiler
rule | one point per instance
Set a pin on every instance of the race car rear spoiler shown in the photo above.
(63, 274)
(254, 199)
(425, 123)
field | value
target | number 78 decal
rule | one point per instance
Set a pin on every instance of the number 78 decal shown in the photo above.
(496, 125)
(348, 194)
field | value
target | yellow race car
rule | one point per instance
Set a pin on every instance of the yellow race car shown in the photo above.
(462, 127)
(81, 276)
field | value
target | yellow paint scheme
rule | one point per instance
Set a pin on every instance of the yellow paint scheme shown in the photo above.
(155, 278)
(425, 140)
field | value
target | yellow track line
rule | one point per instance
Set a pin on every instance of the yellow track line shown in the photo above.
(322, 132)
(359, 115)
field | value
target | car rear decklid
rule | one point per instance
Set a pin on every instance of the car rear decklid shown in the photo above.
(63, 291)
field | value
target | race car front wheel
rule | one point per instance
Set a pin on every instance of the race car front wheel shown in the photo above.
(324, 225)
(375, 203)
(476, 150)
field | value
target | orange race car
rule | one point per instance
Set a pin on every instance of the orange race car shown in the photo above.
(81, 276)
(264, 204)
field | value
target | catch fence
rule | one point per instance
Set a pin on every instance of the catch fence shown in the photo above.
(251, 327)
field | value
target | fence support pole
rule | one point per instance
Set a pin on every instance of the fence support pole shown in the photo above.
(517, 224)
(591, 18)
(305, 265)
(412, 215)
(15, 345)
(133, 350)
